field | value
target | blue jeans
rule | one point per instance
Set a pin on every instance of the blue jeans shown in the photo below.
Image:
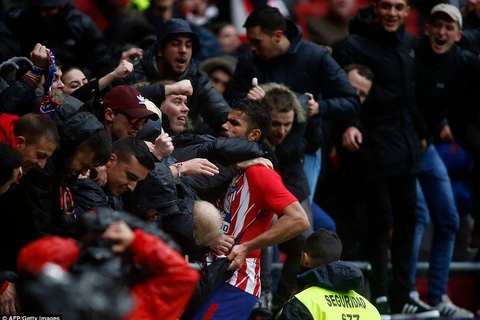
(434, 189)
(311, 165)
(321, 219)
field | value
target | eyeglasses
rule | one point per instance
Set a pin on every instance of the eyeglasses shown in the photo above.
(132, 120)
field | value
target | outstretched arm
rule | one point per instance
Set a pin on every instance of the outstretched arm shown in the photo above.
(293, 221)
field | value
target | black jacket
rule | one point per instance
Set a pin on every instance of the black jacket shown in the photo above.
(87, 195)
(447, 87)
(9, 46)
(157, 191)
(290, 154)
(18, 98)
(387, 116)
(172, 199)
(43, 186)
(224, 151)
(471, 34)
(32, 209)
(471, 41)
(75, 40)
(336, 276)
(305, 67)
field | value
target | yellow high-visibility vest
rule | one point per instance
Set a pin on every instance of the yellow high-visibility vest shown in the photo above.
(330, 305)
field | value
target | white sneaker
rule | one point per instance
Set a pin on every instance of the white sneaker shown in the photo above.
(449, 310)
(413, 309)
(414, 295)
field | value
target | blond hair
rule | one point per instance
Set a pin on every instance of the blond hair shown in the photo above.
(279, 98)
(207, 222)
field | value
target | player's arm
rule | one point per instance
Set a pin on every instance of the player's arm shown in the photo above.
(292, 221)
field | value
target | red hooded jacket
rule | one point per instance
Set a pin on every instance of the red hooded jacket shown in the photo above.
(164, 295)
(7, 122)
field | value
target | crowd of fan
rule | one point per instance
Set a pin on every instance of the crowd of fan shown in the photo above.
(163, 141)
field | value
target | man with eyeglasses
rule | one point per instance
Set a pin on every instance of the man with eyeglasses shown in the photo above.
(125, 112)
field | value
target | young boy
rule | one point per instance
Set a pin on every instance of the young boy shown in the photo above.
(446, 88)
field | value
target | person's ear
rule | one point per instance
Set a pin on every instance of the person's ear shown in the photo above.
(459, 35)
(21, 143)
(112, 162)
(305, 261)
(407, 11)
(255, 135)
(277, 35)
(427, 30)
(109, 115)
(160, 53)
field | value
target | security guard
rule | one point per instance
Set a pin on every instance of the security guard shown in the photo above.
(331, 284)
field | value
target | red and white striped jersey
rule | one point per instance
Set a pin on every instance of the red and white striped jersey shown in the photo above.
(247, 208)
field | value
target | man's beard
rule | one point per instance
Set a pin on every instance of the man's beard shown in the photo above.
(58, 96)
(173, 72)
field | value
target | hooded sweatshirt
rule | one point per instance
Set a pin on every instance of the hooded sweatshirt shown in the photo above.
(330, 295)
(208, 109)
